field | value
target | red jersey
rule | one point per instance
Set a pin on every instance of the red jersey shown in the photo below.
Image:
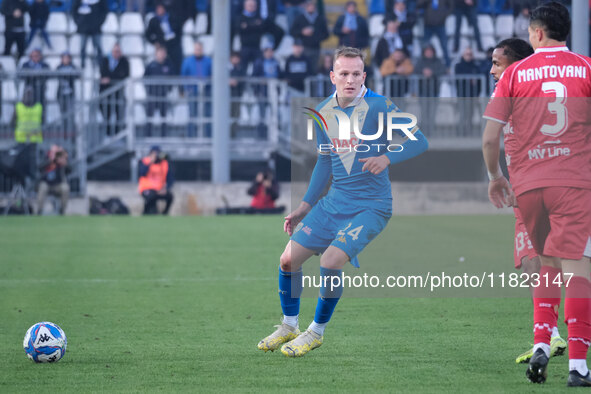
(546, 98)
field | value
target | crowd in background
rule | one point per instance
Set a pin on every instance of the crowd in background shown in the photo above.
(257, 51)
(254, 25)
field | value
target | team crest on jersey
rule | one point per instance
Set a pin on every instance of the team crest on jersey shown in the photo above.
(344, 147)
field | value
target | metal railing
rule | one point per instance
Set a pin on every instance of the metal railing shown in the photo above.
(179, 110)
(58, 92)
(97, 125)
(448, 108)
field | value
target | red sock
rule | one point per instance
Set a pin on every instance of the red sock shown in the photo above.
(577, 316)
(546, 302)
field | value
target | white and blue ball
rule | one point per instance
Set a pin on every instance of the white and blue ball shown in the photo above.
(45, 342)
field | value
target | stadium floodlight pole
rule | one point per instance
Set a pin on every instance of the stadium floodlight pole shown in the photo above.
(580, 27)
(220, 155)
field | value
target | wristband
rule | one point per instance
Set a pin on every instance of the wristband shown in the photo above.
(495, 176)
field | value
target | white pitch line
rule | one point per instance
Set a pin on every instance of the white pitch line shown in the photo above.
(143, 280)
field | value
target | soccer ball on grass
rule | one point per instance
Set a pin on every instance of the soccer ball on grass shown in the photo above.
(45, 342)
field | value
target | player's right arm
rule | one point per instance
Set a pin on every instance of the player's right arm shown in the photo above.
(320, 178)
(499, 191)
(497, 114)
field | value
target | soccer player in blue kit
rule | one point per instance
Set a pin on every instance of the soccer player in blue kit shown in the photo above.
(356, 208)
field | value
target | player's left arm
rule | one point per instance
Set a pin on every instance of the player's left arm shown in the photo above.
(499, 191)
(408, 150)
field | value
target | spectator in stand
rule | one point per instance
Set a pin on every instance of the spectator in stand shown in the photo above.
(27, 119)
(197, 66)
(326, 65)
(264, 191)
(155, 181)
(324, 86)
(411, 5)
(237, 72)
(297, 68)
(180, 10)
(519, 5)
(14, 22)
(39, 12)
(468, 66)
(34, 70)
(66, 92)
(522, 24)
(250, 28)
(89, 16)
(389, 42)
(485, 66)
(265, 67)
(267, 10)
(398, 64)
(467, 88)
(469, 9)
(406, 16)
(164, 32)
(54, 179)
(430, 68)
(292, 10)
(435, 13)
(114, 69)
(312, 29)
(156, 93)
(351, 28)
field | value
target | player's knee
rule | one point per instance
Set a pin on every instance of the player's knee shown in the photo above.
(285, 262)
(530, 266)
(334, 258)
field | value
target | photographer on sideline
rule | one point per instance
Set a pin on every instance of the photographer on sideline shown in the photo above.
(155, 181)
(53, 179)
(265, 190)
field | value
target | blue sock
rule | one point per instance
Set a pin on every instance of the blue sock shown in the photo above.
(329, 296)
(290, 290)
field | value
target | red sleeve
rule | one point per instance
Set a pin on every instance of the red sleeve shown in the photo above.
(500, 104)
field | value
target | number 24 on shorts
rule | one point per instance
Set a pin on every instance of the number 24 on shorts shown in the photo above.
(353, 233)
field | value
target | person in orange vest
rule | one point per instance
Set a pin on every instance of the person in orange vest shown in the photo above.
(155, 181)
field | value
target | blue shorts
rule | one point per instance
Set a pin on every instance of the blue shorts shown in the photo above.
(346, 225)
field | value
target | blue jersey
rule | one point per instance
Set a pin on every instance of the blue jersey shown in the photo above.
(348, 180)
(358, 204)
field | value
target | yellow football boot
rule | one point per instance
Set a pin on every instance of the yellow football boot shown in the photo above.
(283, 333)
(306, 341)
(557, 348)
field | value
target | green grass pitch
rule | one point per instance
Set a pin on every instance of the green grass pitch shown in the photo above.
(179, 304)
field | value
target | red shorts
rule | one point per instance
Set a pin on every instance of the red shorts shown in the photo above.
(523, 247)
(558, 220)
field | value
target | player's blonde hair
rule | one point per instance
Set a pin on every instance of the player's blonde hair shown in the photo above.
(348, 52)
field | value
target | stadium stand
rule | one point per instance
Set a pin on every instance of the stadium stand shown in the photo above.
(127, 28)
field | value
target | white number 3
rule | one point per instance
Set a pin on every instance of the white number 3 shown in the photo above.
(557, 108)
